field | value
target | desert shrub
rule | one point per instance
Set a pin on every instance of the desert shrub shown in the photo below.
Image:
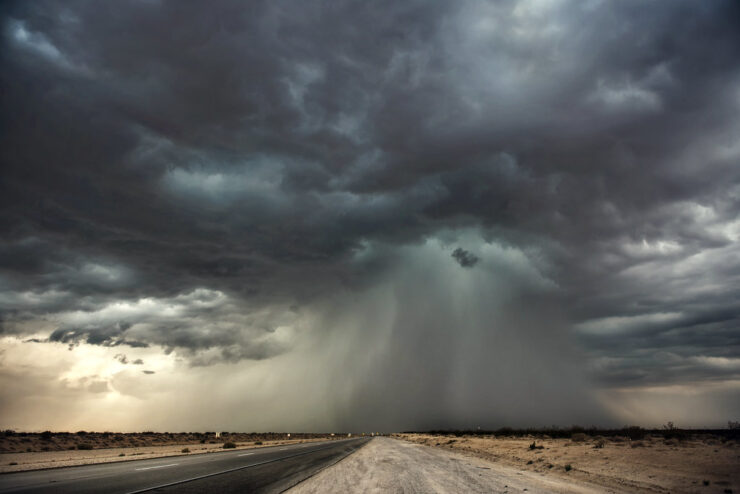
(675, 434)
(187, 450)
(258, 443)
(634, 432)
(72, 447)
(534, 446)
(637, 444)
(9, 432)
(122, 454)
(578, 437)
(81, 433)
(568, 468)
(13, 463)
(46, 436)
(705, 482)
(84, 446)
(229, 445)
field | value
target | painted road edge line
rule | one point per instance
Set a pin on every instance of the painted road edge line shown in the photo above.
(158, 466)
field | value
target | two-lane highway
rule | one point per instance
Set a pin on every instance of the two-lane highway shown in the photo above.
(271, 469)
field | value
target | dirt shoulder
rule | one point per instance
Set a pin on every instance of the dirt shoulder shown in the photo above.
(654, 465)
(17, 462)
(389, 465)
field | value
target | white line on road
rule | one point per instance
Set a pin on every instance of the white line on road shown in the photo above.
(245, 454)
(282, 449)
(159, 466)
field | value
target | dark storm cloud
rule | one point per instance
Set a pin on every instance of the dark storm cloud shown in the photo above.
(252, 152)
(464, 258)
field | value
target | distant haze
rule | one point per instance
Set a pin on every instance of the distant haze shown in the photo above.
(369, 215)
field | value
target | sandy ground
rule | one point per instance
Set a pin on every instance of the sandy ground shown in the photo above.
(16, 462)
(387, 465)
(30, 442)
(698, 465)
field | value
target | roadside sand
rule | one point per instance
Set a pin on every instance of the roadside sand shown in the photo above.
(387, 465)
(55, 459)
(649, 465)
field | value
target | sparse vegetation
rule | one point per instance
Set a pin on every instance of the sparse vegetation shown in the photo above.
(568, 467)
(85, 446)
(229, 445)
(187, 450)
(578, 437)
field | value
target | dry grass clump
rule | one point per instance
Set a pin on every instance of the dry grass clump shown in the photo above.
(578, 437)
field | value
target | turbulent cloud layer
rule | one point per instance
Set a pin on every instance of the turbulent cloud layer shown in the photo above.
(447, 211)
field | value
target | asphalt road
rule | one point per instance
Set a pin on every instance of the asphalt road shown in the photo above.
(272, 469)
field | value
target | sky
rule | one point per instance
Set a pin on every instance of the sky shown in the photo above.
(369, 216)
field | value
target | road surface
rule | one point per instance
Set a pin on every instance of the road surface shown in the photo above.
(261, 470)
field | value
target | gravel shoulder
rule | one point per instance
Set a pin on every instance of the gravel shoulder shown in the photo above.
(387, 465)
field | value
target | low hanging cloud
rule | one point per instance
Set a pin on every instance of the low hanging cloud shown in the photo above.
(157, 196)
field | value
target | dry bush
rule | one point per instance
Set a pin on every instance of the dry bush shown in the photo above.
(578, 437)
